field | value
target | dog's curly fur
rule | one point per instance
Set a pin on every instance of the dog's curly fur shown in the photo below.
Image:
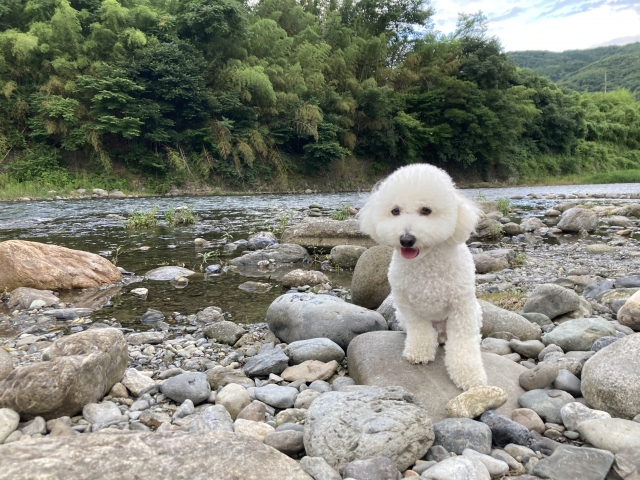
(420, 202)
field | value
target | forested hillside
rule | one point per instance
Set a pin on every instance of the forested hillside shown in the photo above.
(584, 70)
(217, 90)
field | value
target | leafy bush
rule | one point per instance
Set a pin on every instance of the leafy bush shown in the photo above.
(504, 205)
(180, 216)
(42, 163)
(142, 219)
(343, 213)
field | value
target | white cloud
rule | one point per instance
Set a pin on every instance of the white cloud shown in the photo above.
(547, 24)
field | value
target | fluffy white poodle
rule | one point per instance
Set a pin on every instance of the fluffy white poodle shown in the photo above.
(418, 211)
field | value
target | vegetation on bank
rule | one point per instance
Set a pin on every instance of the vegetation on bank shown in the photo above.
(281, 95)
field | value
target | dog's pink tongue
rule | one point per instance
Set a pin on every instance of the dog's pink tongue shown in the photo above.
(409, 253)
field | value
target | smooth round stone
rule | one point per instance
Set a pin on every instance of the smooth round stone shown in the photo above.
(494, 466)
(496, 345)
(340, 382)
(234, 398)
(304, 399)
(574, 413)
(277, 396)
(320, 386)
(603, 342)
(288, 442)
(545, 405)
(539, 377)
(457, 434)
(105, 412)
(528, 348)
(377, 468)
(193, 386)
(322, 349)
(152, 316)
(568, 382)
(537, 318)
(255, 411)
(613, 434)
(549, 349)
(504, 430)
(529, 419)
(457, 468)
(575, 462)
(579, 334)
(476, 401)
(257, 430)
(9, 421)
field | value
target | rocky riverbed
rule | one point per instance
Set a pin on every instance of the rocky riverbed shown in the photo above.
(320, 390)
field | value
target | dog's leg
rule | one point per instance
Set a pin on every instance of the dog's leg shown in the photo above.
(422, 339)
(462, 350)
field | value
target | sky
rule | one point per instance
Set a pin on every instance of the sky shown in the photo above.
(547, 24)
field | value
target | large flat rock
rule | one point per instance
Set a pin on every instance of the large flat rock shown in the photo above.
(327, 233)
(375, 358)
(147, 456)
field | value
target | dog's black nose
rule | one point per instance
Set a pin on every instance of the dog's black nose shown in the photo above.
(407, 240)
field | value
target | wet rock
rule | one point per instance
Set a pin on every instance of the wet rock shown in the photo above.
(552, 301)
(327, 233)
(375, 358)
(346, 256)
(458, 434)
(209, 315)
(546, 403)
(192, 386)
(579, 334)
(152, 316)
(496, 319)
(299, 277)
(150, 456)
(301, 316)
(504, 430)
(476, 401)
(50, 267)
(140, 293)
(23, 298)
(610, 379)
(345, 426)
(512, 229)
(167, 273)
(261, 240)
(377, 468)
(281, 254)
(321, 349)
(369, 284)
(80, 369)
(224, 332)
(574, 413)
(270, 360)
(575, 462)
(577, 219)
(310, 371)
(256, 287)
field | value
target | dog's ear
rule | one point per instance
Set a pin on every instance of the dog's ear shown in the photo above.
(468, 215)
(365, 215)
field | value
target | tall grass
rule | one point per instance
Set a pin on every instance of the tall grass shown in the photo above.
(621, 176)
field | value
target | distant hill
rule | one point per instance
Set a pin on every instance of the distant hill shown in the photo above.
(584, 69)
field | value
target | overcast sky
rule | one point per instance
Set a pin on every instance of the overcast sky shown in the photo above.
(547, 24)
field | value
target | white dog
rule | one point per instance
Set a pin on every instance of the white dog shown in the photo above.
(418, 211)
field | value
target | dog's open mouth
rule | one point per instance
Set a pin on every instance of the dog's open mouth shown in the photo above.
(409, 252)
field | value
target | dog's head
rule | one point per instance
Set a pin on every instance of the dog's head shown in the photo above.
(416, 208)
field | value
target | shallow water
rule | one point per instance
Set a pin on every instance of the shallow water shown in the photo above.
(85, 225)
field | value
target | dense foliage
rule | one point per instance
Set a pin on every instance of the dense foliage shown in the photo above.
(584, 70)
(195, 89)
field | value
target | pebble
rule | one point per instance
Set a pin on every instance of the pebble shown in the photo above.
(527, 349)
(568, 382)
(319, 469)
(257, 430)
(575, 462)
(105, 412)
(539, 377)
(494, 465)
(276, 396)
(546, 403)
(457, 434)
(289, 442)
(233, 398)
(321, 349)
(476, 401)
(377, 468)
(192, 385)
(255, 411)
(457, 468)
(504, 430)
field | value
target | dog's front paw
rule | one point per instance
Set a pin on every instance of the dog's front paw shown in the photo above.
(417, 355)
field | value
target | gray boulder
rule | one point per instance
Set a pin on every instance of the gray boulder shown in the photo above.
(579, 334)
(78, 369)
(192, 385)
(493, 260)
(487, 229)
(345, 426)
(577, 219)
(346, 256)
(610, 379)
(370, 285)
(321, 349)
(268, 360)
(327, 233)
(148, 456)
(458, 434)
(552, 301)
(613, 434)
(302, 316)
(496, 319)
(282, 254)
(575, 462)
(375, 358)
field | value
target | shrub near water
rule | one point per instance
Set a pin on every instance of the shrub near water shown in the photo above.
(180, 216)
(142, 219)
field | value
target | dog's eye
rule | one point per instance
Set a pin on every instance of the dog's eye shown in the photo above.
(426, 211)
(395, 211)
